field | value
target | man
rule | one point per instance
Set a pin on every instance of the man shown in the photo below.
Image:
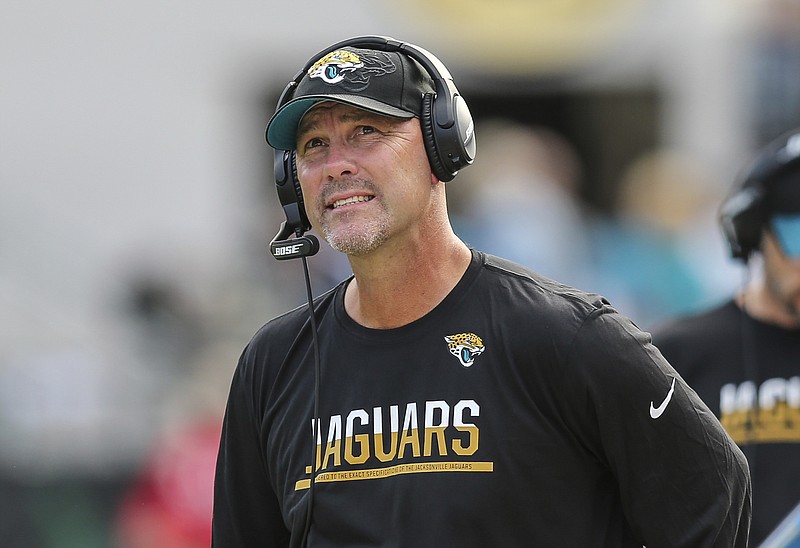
(462, 400)
(743, 357)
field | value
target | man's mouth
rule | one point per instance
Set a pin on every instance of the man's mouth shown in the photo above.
(351, 200)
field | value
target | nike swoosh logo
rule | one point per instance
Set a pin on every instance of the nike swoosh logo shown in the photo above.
(656, 412)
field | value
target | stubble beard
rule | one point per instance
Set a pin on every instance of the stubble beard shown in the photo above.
(352, 235)
(357, 240)
(787, 296)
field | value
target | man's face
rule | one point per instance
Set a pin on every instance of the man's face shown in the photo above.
(782, 274)
(365, 177)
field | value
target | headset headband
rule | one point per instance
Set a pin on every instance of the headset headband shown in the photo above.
(443, 80)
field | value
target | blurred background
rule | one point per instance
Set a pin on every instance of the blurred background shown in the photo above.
(137, 205)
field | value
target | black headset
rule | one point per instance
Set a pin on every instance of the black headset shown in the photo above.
(447, 130)
(744, 214)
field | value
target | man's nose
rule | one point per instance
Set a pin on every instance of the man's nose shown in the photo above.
(340, 161)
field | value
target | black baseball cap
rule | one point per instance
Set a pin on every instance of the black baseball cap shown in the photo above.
(383, 82)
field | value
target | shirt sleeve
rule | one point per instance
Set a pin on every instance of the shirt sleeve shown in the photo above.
(246, 509)
(683, 482)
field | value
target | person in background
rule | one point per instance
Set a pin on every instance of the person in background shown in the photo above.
(442, 396)
(743, 356)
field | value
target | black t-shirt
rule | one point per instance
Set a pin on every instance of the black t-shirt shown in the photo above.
(519, 412)
(748, 373)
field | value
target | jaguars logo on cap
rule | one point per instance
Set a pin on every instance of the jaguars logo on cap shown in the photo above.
(333, 67)
(351, 71)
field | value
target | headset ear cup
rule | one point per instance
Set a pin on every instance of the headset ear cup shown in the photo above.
(301, 204)
(749, 225)
(428, 136)
(743, 218)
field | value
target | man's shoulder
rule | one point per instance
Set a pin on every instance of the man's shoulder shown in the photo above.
(287, 326)
(558, 295)
(701, 341)
(548, 296)
(705, 323)
(554, 310)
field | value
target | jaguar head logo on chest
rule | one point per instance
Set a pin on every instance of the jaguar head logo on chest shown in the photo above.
(465, 346)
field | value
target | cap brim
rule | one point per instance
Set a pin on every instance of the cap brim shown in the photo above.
(282, 127)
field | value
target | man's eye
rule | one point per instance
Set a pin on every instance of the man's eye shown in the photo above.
(314, 143)
(366, 130)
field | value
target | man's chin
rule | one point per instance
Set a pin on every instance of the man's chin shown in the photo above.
(354, 242)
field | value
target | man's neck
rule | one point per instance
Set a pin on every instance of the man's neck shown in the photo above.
(758, 302)
(400, 287)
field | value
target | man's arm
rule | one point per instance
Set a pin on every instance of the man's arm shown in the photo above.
(246, 510)
(683, 482)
